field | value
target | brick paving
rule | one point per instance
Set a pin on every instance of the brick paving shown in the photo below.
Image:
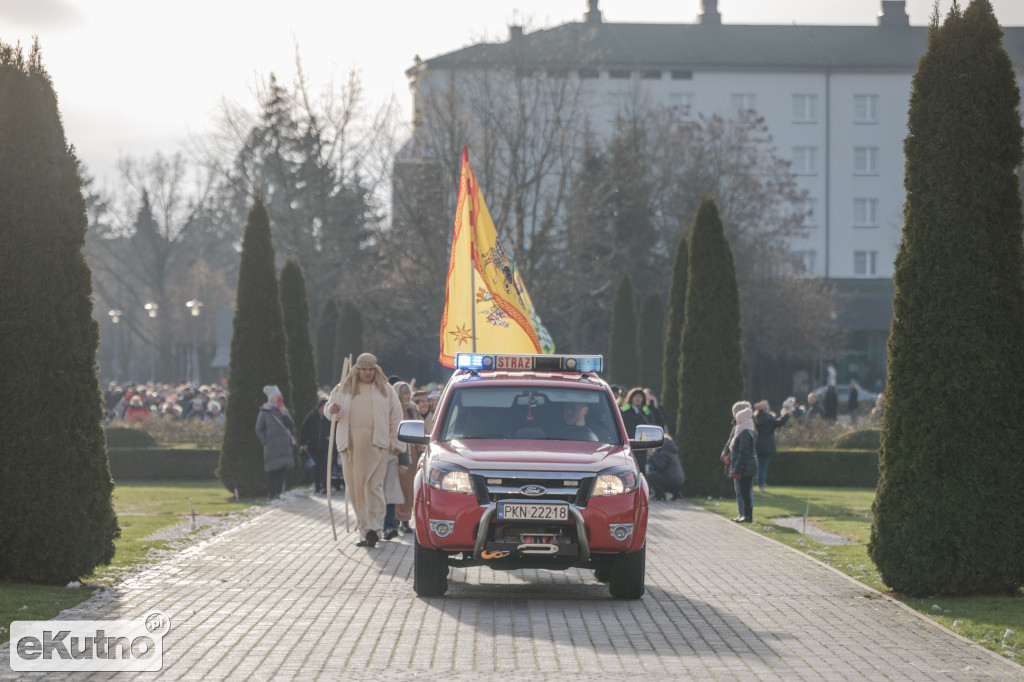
(276, 598)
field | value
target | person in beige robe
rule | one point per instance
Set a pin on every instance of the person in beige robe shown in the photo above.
(367, 412)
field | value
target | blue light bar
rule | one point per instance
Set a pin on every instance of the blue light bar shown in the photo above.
(538, 363)
(473, 361)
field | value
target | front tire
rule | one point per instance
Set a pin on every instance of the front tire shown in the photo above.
(626, 579)
(429, 571)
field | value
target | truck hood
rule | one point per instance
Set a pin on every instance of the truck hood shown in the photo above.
(532, 455)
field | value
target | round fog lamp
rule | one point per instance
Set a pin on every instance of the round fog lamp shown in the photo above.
(442, 529)
(621, 531)
(570, 363)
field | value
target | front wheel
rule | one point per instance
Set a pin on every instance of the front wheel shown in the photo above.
(429, 571)
(626, 579)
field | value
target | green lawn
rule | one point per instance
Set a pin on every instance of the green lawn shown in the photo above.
(847, 511)
(142, 509)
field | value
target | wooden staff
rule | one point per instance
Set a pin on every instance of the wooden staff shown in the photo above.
(330, 455)
(330, 469)
(346, 368)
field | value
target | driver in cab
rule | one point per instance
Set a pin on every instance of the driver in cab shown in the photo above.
(575, 428)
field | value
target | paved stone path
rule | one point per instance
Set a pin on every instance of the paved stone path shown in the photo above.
(275, 598)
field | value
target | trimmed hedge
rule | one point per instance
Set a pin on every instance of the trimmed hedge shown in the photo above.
(824, 468)
(128, 437)
(863, 439)
(155, 464)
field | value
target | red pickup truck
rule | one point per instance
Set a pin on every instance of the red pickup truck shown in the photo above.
(529, 466)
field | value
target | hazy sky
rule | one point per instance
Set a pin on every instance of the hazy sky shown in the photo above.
(138, 76)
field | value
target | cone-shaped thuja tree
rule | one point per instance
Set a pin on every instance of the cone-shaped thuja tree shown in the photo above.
(257, 358)
(650, 341)
(947, 514)
(348, 337)
(301, 370)
(711, 372)
(58, 520)
(326, 328)
(623, 358)
(674, 334)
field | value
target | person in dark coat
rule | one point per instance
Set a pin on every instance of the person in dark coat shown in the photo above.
(634, 413)
(814, 408)
(666, 475)
(766, 422)
(274, 429)
(743, 460)
(315, 436)
(831, 403)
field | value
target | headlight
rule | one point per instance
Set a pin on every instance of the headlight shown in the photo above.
(614, 484)
(452, 481)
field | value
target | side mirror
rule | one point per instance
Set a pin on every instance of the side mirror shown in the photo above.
(412, 432)
(645, 438)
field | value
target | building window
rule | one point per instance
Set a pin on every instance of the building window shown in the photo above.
(865, 160)
(589, 73)
(865, 212)
(803, 263)
(805, 160)
(681, 101)
(743, 106)
(682, 75)
(805, 108)
(864, 263)
(620, 73)
(810, 211)
(865, 108)
(651, 74)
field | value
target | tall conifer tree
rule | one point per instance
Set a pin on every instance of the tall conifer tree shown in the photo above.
(257, 358)
(326, 329)
(301, 369)
(348, 339)
(947, 514)
(711, 372)
(623, 358)
(650, 341)
(58, 520)
(674, 334)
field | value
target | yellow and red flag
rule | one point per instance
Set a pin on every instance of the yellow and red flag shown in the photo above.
(486, 308)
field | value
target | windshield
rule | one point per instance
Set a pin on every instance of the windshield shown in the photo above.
(516, 412)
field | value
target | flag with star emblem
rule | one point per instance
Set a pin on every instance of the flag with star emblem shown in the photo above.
(486, 307)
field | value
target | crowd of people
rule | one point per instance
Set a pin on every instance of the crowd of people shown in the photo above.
(378, 470)
(136, 403)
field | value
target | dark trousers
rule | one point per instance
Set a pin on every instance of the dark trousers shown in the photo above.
(389, 518)
(762, 469)
(275, 482)
(745, 496)
(320, 474)
(662, 484)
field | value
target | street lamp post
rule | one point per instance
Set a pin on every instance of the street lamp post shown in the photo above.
(194, 305)
(115, 317)
(151, 308)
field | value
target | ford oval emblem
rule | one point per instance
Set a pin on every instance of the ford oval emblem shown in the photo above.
(533, 490)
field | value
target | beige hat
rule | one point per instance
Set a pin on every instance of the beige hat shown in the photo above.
(367, 361)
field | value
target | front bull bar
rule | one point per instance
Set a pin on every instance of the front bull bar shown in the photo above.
(492, 509)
